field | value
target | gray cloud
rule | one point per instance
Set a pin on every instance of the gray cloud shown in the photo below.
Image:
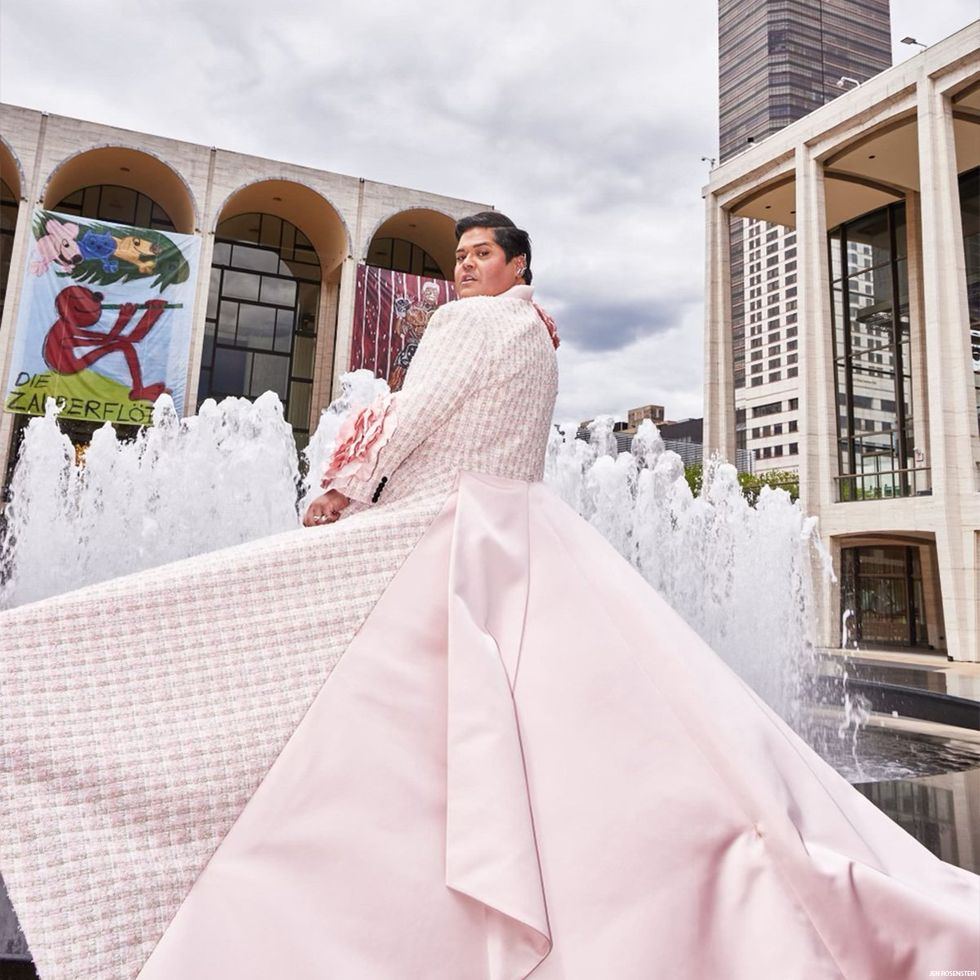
(585, 125)
(604, 324)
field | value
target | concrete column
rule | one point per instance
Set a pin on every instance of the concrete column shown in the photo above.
(952, 413)
(209, 224)
(917, 339)
(201, 291)
(947, 335)
(818, 399)
(21, 245)
(326, 347)
(345, 321)
(932, 597)
(719, 378)
(23, 240)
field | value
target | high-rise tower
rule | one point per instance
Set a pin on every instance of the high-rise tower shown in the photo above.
(778, 61)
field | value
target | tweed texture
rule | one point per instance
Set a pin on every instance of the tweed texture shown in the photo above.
(139, 715)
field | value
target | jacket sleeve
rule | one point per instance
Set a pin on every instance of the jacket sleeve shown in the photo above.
(449, 364)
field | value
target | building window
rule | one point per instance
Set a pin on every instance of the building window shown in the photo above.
(109, 202)
(970, 209)
(8, 221)
(793, 425)
(402, 256)
(775, 376)
(794, 449)
(261, 321)
(872, 351)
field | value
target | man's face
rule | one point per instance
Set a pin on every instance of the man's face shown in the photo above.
(482, 268)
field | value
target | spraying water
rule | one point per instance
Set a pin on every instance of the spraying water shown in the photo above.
(737, 573)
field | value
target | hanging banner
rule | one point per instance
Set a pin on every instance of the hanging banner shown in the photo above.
(104, 324)
(391, 310)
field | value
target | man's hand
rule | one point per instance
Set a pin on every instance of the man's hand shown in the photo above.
(325, 509)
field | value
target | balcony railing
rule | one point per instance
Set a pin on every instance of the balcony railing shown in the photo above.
(884, 484)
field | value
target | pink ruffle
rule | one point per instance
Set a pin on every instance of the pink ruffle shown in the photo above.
(549, 323)
(360, 440)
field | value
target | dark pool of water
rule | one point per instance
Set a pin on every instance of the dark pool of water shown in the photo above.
(878, 754)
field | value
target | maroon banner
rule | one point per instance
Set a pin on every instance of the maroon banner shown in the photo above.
(391, 310)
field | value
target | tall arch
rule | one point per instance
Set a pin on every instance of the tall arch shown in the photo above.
(276, 244)
(300, 205)
(11, 192)
(428, 243)
(132, 169)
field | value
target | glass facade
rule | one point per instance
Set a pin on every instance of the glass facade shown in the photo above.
(261, 320)
(882, 588)
(400, 255)
(109, 202)
(873, 358)
(8, 222)
(970, 208)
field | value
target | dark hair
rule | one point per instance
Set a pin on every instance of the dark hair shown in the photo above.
(513, 240)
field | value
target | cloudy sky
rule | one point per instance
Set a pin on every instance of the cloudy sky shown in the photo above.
(585, 124)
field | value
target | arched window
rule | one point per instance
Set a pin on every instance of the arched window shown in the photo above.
(110, 202)
(402, 256)
(261, 321)
(8, 221)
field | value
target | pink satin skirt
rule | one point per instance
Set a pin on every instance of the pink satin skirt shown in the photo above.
(526, 764)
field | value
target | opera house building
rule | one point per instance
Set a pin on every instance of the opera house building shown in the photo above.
(882, 187)
(254, 266)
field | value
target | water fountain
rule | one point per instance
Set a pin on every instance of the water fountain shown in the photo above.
(738, 573)
(231, 473)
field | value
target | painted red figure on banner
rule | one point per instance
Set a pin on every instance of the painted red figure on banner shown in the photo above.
(78, 310)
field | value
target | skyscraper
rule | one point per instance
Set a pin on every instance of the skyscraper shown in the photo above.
(778, 61)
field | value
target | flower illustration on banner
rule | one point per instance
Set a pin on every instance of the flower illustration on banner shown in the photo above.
(360, 440)
(90, 251)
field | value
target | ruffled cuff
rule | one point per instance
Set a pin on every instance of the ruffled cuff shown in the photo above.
(359, 441)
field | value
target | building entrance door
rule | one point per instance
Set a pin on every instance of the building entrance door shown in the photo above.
(882, 587)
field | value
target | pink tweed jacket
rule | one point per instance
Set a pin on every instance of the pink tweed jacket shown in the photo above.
(140, 714)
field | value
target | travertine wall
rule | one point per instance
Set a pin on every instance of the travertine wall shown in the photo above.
(49, 157)
(904, 135)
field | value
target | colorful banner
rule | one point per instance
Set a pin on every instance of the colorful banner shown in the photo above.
(104, 325)
(391, 310)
